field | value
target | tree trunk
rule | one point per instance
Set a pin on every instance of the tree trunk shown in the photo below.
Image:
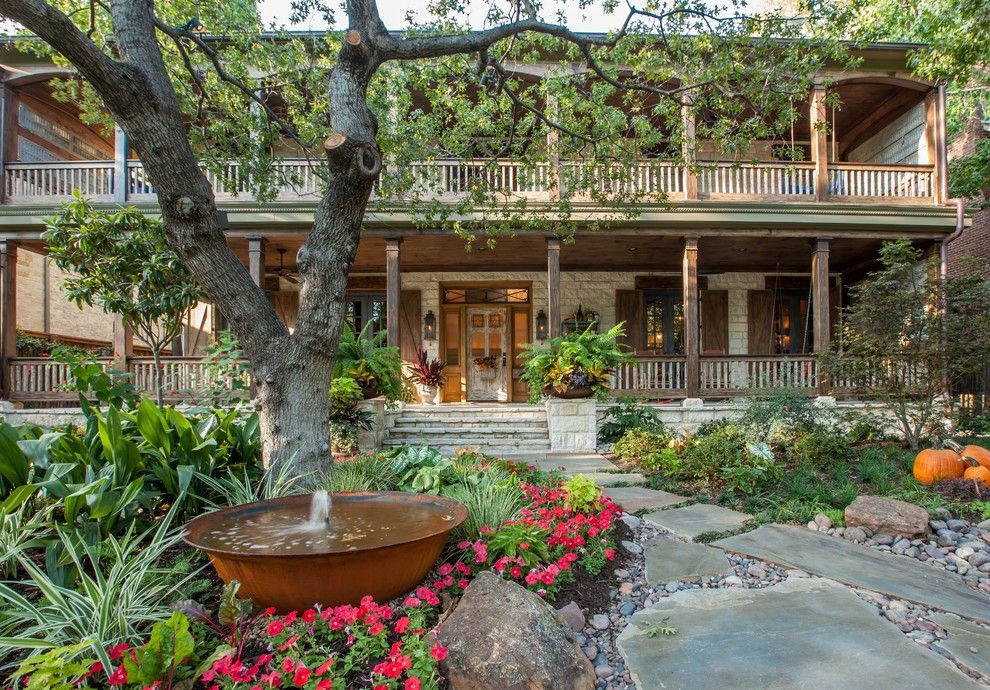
(156, 356)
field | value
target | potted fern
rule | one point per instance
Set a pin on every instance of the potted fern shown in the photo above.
(574, 365)
(428, 376)
(374, 366)
(346, 419)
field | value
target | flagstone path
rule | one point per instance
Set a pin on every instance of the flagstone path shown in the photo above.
(803, 632)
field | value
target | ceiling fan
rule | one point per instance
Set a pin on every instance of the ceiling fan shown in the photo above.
(283, 272)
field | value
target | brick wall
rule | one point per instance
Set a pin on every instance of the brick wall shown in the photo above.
(974, 243)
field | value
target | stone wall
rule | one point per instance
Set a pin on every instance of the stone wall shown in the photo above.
(573, 425)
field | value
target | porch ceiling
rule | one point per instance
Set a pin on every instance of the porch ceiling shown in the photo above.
(590, 252)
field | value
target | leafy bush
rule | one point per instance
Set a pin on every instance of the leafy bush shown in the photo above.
(978, 425)
(372, 364)
(628, 414)
(667, 462)
(779, 408)
(753, 468)
(636, 444)
(367, 472)
(226, 373)
(581, 493)
(727, 455)
(820, 448)
(494, 500)
(527, 542)
(572, 361)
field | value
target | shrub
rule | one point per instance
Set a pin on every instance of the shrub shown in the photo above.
(636, 444)
(751, 469)
(372, 364)
(820, 448)
(667, 462)
(367, 472)
(780, 408)
(723, 446)
(628, 414)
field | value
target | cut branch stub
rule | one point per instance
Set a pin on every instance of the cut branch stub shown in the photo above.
(364, 156)
(353, 37)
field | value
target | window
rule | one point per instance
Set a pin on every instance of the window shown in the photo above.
(485, 295)
(364, 308)
(664, 321)
(791, 322)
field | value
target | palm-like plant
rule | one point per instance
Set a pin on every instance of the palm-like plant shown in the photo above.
(573, 361)
(427, 372)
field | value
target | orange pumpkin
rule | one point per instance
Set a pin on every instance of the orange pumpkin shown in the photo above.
(935, 464)
(978, 453)
(978, 474)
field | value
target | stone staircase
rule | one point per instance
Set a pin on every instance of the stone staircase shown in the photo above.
(497, 429)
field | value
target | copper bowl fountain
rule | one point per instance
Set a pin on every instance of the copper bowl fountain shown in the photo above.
(297, 551)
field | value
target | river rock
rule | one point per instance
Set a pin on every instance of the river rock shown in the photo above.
(887, 516)
(503, 637)
(573, 616)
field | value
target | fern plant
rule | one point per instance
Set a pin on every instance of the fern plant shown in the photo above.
(365, 358)
(573, 361)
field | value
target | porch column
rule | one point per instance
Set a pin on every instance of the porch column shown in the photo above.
(820, 302)
(819, 141)
(553, 285)
(942, 151)
(689, 149)
(123, 343)
(393, 289)
(8, 134)
(692, 344)
(8, 312)
(256, 260)
(120, 182)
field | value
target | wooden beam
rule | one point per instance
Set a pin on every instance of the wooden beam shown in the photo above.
(553, 285)
(820, 302)
(692, 344)
(256, 260)
(8, 312)
(123, 343)
(393, 289)
(819, 141)
(942, 150)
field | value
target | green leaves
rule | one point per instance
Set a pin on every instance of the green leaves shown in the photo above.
(574, 360)
(169, 644)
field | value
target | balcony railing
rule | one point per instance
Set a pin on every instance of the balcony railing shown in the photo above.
(454, 179)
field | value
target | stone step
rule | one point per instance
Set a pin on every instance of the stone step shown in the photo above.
(489, 433)
(471, 418)
(517, 452)
(496, 424)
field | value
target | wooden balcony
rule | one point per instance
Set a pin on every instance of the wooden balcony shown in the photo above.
(451, 180)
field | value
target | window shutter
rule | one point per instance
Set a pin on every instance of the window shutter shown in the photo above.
(715, 322)
(629, 308)
(410, 325)
(760, 320)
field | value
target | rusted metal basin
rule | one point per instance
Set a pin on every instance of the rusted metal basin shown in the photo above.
(395, 540)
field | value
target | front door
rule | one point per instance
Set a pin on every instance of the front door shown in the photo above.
(487, 338)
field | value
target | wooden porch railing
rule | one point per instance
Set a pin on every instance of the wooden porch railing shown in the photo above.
(455, 178)
(39, 379)
(875, 181)
(650, 375)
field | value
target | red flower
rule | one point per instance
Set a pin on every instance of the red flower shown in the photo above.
(275, 628)
(376, 629)
(117, 651)
(515, 572)
(325, 684)
(291, 642)
(401, 625)
(438, 652)
(119, 676)
(309, 615)
(269, 611)
(324, 667)
(412, 683)
(301, 676)
(288, 665)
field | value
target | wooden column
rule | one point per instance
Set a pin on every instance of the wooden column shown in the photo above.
(819, 141)
(256, 260)
(689, 150)
(123, 343)
(8, 134)
(553, 285)
(120, 181)
(393, 289)
(8, 312)
(692, 344)
(942, 150)
(820, 303)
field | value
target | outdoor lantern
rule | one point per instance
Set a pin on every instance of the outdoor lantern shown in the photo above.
(430, 326)
(542, 325)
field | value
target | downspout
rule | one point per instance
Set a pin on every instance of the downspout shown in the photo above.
(943, 265)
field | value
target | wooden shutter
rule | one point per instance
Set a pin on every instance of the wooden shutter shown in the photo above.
(715, 322)
(410, 324)
(287, 307)
(629, 308)
(760, 320)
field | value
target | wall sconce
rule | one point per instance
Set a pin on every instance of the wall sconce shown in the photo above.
(542, 325)
(430, 326)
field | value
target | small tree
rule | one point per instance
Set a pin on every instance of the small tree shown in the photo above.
(119, 261)
(909, 335)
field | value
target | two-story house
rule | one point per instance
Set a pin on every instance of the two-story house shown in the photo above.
(733, 282)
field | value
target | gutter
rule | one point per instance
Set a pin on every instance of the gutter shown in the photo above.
(944, 246)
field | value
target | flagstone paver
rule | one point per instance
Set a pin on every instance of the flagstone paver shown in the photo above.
(616, 479)
(633, 499)
(968, 642)
(668, 560)
(802, 634)
(860, 566)
(575, 463)
(690, 521)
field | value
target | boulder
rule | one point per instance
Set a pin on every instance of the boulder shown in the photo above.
(503, 637)
(887, 516)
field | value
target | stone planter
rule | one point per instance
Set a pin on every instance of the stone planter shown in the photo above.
(369, 392)
(430, 394)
